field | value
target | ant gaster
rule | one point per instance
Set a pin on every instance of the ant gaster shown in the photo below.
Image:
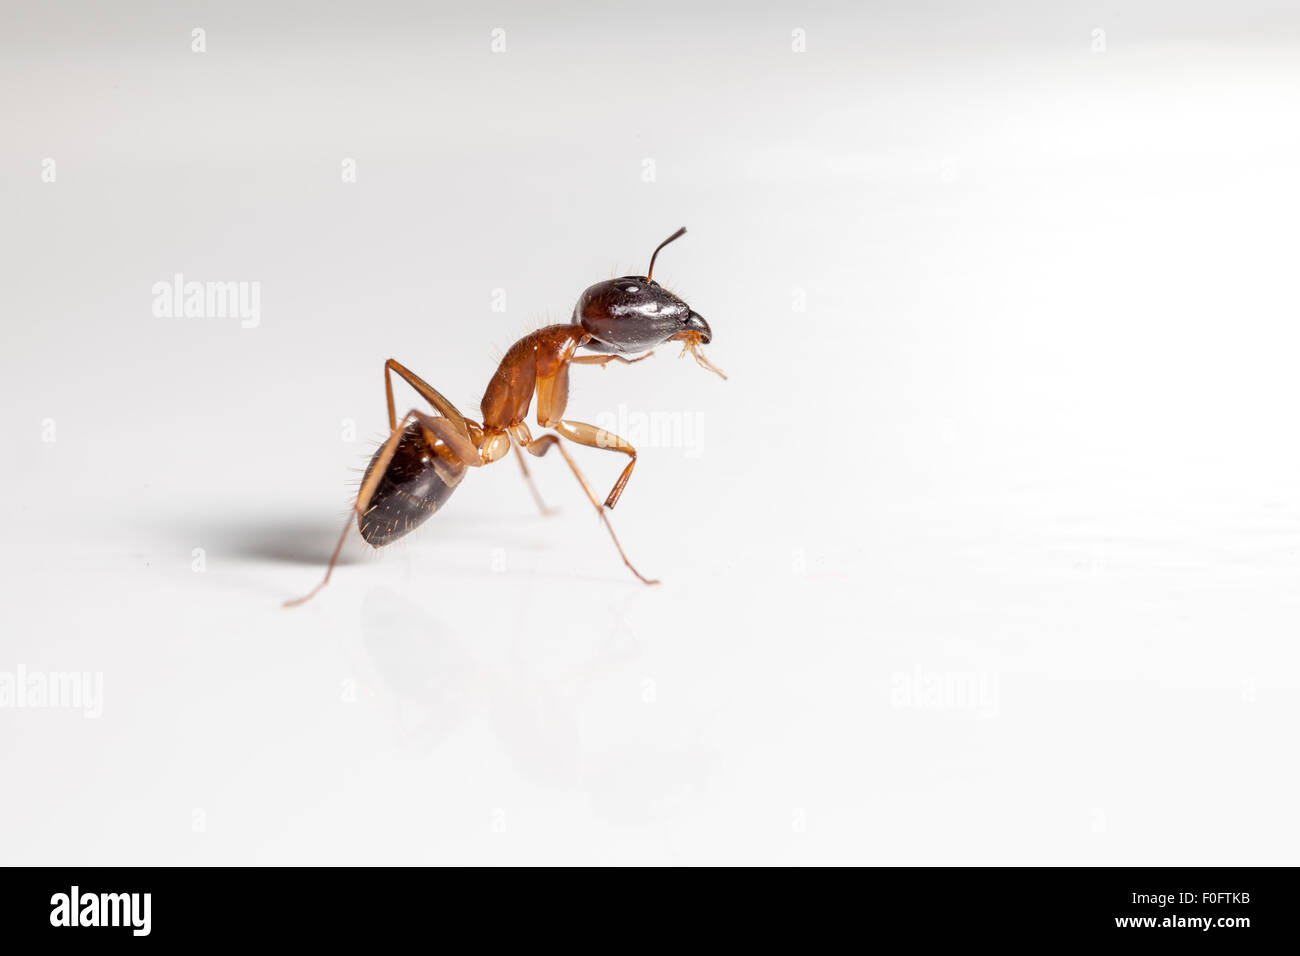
(426, 455)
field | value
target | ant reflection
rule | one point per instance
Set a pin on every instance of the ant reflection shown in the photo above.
(634, 766)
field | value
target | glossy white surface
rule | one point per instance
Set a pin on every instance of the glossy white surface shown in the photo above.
(988, 555)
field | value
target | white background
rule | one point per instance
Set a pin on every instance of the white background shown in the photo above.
(989, 554)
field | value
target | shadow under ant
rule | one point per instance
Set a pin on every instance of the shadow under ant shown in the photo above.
(310, 541)
(306, 541)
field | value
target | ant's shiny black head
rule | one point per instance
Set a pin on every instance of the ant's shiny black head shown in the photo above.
(635, 313)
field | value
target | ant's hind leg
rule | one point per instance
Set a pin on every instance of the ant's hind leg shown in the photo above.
(329, 569)
(427, 392)
(454, 435)
(456, 439)
(367, 491)
(540, 447)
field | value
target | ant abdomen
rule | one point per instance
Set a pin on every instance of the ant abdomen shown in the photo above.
(419, 479)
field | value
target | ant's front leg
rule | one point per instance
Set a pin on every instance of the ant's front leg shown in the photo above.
(603, 360)
(553, 396)
(594, 437)
(539, 447)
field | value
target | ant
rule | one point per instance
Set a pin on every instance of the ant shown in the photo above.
(425, 456)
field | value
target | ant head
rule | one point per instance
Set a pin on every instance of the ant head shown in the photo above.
(635, 313)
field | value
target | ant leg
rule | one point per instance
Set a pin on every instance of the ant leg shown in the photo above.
(603, 360)
(455, 440)
(552, 396)
(540, 447)
(594, 437)
(329, 569)
(521, 438)
(454, 435)
(427, 392)
(361, 505)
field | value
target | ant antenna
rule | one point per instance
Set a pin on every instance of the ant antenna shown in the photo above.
(676, 235)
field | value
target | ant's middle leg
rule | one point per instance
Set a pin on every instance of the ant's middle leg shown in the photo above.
(540, 447)
(521, 438)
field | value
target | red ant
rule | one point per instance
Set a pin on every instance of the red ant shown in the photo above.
(424, 459)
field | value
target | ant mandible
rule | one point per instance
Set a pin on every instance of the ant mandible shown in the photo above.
(425, 456)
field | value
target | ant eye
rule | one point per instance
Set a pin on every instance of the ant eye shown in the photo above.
(631, 288)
